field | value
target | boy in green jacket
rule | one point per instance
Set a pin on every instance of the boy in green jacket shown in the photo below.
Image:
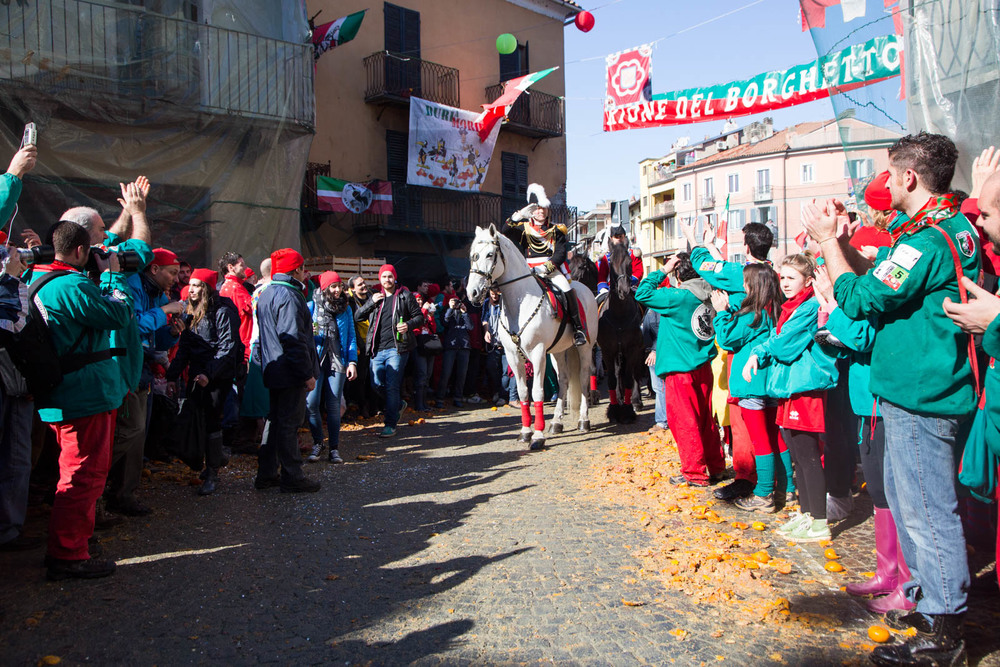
(921, 374)
(81, 409)
(685, 347)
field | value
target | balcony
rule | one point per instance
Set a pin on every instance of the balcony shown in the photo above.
(661, 210)
(120, 61)
(393, 79)
(417, 208)
(533, 114)
(762, 193)
(707, 201)
(660, 174)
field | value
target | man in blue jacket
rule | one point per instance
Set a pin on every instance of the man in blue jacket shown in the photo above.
(290, 365)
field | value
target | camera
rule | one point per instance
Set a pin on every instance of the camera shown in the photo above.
(40, 254)
(128, 260)
(30, 137)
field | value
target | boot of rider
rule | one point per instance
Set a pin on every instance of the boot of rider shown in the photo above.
(573, 306)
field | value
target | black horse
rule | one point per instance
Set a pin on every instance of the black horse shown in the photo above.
(619, 336)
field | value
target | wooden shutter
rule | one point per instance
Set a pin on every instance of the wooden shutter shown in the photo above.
(514, 182)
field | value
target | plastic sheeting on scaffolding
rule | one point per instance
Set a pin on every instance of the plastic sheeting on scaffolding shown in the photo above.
(212, 101)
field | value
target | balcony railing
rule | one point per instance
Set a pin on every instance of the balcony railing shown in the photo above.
(533, 114)
(662, 209)
(419, 208)
(762, 193)
(392, 78)
(124, 56)
(707, 201)
(659, 174)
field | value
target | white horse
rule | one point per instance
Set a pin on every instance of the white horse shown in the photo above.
(530, 329)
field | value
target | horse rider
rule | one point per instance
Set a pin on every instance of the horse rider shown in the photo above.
(544, 246)
(617, 236)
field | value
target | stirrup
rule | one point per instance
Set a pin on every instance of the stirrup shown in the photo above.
(579, 338)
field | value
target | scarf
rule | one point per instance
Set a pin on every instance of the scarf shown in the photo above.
(327, 311)
(788, 307)
(934, 211)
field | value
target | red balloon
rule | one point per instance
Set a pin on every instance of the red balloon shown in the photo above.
(584, 21)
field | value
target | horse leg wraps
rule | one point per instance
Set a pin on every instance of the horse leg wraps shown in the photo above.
(627, 396)
(593, 383)
(525, 414)
(613, 394)
(539, 416)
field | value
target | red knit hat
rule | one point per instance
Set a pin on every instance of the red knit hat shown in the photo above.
(387, 267)
(3, 238)
(285, 260)
(209, 276)
(877, 195)
(328, 278)
(164, 257)
(248, 274)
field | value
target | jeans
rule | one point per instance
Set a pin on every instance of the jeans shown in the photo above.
(423, 365)
(507, 381)
(329, 388)
(15, 464)
(387, 376)
(920, 487)
(660, 401)
(453, 362)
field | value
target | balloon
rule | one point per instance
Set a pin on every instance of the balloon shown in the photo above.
(584, 21)
(506, 44)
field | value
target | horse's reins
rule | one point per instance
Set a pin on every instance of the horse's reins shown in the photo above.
(514, 337)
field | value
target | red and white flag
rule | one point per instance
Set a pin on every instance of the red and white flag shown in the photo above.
(496, 110)
(340, 196)
(628, 74)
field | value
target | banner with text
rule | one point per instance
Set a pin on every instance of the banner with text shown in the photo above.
(445, 149)
(856, 66)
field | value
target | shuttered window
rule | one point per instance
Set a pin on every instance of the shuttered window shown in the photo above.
(514, 182)
(407, 208)
(513, 65)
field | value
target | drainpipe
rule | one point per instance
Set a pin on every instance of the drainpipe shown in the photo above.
(784, 195)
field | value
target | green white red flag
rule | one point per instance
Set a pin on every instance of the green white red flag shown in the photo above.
(335, 33)
(496, 110)
(340, 196)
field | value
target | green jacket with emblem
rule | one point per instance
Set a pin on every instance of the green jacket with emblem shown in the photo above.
(128, 337)
(734, 334)
(73, 304)
(685, 340)
(920, 360)
(726, 276)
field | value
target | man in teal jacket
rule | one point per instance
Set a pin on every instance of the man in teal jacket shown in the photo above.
(685, 347)
(81, 409)
(921, 374)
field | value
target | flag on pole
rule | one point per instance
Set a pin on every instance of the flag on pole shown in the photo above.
(335, 33)
(722, 233)
(496, 110)
(340, 196)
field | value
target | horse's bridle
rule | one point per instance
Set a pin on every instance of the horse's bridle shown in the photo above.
(488, 275)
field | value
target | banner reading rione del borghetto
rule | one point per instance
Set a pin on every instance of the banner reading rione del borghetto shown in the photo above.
(854, 67)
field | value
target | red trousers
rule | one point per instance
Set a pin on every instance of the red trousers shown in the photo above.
(744, 463)
(689, 412)
(84, 460)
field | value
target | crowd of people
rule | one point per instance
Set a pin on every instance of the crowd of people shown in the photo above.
(860, 348)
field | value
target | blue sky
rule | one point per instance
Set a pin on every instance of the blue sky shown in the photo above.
(764, 37)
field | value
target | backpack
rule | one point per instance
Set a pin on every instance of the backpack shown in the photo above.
(32, 350)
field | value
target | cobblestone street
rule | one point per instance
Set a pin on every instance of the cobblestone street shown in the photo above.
(447, 545)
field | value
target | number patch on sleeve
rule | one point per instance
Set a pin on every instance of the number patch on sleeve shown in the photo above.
(891, 275)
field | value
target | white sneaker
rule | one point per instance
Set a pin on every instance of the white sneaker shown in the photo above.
(474, 399)
(795, 522)
(838, 509)
(334, 457)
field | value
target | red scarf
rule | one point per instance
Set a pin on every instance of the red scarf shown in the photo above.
(57, 265)
(934, 211)
(788, 307)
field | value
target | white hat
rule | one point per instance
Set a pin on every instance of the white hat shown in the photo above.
(539, 193)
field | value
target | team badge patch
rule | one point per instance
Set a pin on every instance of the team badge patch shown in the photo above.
(966, 244)
(701, 322)
(707, 267)
(891, 275)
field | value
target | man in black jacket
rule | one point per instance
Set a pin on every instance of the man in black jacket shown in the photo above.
(392, 316)
(288, 359)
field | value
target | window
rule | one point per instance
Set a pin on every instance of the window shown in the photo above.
(687, 192)
(859, 169)
(644, 203)
(767, 215)
(709, 187)
(734, 182)
(513, 182)
(763, 179)
(402, 36)
(737, 219)
(514, 64)
(738, 257)
(407, 207)
(807, 175)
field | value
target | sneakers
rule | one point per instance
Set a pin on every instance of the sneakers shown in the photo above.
(681, 479)
(59, 569)
(739, 488)
(304, 485)
(388, 432)
(334, 457)
(838, 509)
(500, 402)
(813, 531)
(791, 525)
(754, 503)
(314, 455)
(474, 399)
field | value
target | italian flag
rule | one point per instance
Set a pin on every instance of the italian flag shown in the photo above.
(495, 111)
(340, 196)
(335, 33)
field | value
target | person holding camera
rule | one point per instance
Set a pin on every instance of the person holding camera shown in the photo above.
(81, 408)
(211, 350)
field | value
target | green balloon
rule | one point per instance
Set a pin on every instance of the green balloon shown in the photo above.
(506, 43)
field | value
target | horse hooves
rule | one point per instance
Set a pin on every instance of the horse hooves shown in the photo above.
(537, 445)
(584, 427)
(595, 398)
(613, 413)
(524, 437)
(627, 415)
(556, 428)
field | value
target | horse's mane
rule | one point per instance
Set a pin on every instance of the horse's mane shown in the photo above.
(620, 264)
(583, 270)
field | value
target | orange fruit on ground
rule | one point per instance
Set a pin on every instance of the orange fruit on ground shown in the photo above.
(761, 557)
(833, 566)
(698, 509)
(878, 634)
(758, 525)
(784, 567)
(830, 554)
(740, 525)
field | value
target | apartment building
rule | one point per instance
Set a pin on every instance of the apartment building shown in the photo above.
(444, 52)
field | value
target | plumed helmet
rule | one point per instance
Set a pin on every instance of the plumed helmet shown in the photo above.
(537, 192)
